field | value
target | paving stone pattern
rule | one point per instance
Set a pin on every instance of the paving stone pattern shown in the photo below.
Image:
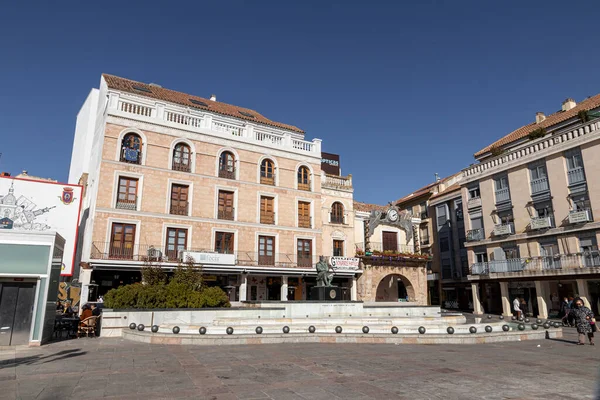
(115, 368)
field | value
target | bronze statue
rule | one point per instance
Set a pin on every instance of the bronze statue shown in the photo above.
(324, 277)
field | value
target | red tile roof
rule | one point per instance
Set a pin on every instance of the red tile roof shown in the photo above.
(417, 193)
(159, 93)
(452, 188)
(365, 207)
(552, 119)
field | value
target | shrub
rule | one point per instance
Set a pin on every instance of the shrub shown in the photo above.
(172, 295)
(153, 274)
(214, 297)
(188, 275)
(538, 133)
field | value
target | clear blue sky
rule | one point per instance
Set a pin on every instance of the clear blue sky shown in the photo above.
(401, 89)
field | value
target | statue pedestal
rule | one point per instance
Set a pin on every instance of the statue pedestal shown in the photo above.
(326, 293)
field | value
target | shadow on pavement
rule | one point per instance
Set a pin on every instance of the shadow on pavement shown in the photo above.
(61, 355)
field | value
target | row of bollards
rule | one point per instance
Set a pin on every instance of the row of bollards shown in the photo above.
(365, 329)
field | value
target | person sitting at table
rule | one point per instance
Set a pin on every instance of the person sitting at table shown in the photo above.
(68, 311)
(95, 310)
(86, 312)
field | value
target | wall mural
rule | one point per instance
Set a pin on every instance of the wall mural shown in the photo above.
(27, 205)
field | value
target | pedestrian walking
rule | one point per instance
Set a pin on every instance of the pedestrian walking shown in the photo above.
(583, 318)
(517, 307)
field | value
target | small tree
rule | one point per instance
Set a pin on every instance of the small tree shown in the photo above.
(188, 274)
(153, 274)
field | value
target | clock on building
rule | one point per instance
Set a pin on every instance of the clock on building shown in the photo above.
(392, 215)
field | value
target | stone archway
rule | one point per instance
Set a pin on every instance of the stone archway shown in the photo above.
(394, 287)
(412, 276)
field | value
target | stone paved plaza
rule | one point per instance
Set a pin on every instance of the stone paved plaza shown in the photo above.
(114, 368)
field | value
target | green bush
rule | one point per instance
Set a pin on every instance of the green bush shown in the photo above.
(214, 297)
(175, 294)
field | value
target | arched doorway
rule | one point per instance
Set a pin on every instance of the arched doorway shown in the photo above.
(395, 287)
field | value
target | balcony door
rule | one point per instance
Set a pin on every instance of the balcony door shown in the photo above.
(127, 196)
(266, 250)
(304, 214)
(548, 251)
(304, 253)
(390, 241)
(267, 211)
(224, 242)
(179, 199)
(225, 210)
(589, 249)
(176, 241)
(122, 241)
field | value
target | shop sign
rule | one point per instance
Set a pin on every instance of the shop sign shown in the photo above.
(344, 263)
(210, 258)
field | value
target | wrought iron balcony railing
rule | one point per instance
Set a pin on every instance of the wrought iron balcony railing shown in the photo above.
(475, 235)
(555, 262)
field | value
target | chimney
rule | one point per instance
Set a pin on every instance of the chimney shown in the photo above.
(5, 174)
(24, 172)
(568, 104)
(213, 97)
(539, 117)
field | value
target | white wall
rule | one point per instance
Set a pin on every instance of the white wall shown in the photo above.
(84, 133)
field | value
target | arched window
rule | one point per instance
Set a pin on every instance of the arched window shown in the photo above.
(267, 172)
(182, 158)
(227, 165)
(337, 213)
(304, 178)
(131, 149)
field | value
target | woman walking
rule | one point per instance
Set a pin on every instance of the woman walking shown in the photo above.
(583, 318)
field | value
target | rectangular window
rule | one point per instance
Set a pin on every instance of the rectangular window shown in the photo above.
(501, 183)
(474, 193)
(266, 250)
(511, 252)
(225, 210)
(304, 253)
(446, 269)
(304, 220)
(423, 209)
(444, 245)
(458, 209)
(179, 199)
(481, 257)
(122, 241)
(176, 242)
(502, 191)
(390, 241)
(575, 170)
(424, 236)
(338, 248)
(224, 242)
(267, 210)
(505, 218)
(442, 216)
(127, 195)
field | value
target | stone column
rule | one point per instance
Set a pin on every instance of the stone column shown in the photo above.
(506, 311)
(582, 289)
(284, 288)
(353, 290)
(476, 301)
(244, 287)
(542, 293)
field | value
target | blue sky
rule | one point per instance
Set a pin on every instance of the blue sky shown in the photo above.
(401, 90)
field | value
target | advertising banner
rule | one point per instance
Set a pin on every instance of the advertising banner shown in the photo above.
(29, 205)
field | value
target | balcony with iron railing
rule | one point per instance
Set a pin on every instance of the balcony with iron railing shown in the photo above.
(161, 254)
(127, 204)
(377, 247)
(474, 202)
(576, 175)
(228, 215)
(502, 195)
(539, 185)
(304, 221)
(181, 166)
(227, 173)
(580, 216)
(561, 262)
(504, 229)
(179, 209)
(475, 235)
(202, 121)
(541, 223)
